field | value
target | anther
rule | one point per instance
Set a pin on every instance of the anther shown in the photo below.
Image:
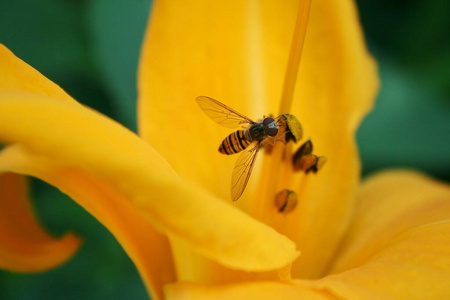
(305, 149)
(286, 201)
(304, 160)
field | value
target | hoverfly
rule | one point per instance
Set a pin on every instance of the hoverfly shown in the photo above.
(250, 139)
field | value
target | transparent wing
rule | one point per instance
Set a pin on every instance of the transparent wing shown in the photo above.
(222, 114)
(243, 169)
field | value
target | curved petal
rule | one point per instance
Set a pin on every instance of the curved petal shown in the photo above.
(136, 171)
(414, 265)
(25, 247)
(148, 249)
(387, 205)
(248, 291)
(18, 77)
(402, 228)
(398, 246)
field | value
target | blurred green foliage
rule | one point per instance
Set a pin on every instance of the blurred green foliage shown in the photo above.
(410, 125)
(91, 49)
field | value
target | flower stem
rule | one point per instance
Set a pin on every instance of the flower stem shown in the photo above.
(295, 56)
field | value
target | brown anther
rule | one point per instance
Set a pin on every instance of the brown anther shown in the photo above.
(304, 160)
(305, 149)
(317, 165)
(286, 201)
(310, 163)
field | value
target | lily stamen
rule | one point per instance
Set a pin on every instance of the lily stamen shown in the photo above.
(275, 164)
(286, 201)
(305, 160)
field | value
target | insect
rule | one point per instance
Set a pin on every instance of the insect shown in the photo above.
(250, 139)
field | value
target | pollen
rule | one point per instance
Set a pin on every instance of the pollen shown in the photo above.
(292, 128)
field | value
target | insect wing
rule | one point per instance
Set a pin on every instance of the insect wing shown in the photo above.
(222, 114)
(242, 170)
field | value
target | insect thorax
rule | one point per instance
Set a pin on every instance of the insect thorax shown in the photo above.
(257, 132)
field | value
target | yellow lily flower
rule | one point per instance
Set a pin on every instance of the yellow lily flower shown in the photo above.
(165, 195)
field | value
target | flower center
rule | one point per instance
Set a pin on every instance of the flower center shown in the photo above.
(274, 194)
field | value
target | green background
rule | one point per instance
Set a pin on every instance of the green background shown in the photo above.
(91, 48)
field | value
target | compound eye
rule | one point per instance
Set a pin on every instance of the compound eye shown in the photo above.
(272, 131)
(268, 121)
(271, 126)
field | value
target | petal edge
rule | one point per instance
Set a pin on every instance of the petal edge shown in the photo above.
(24, 245)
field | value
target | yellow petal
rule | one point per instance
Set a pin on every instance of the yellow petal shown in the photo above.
(137, 173)
(387, 205)
(248, 291)
(398, 244)
(413, 265)
(16, 75)
(24, 246)
(131, 228)
(402, 227)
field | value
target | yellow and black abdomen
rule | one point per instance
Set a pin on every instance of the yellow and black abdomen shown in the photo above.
(234, 143)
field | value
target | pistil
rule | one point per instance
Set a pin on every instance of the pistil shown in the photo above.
(295, 56)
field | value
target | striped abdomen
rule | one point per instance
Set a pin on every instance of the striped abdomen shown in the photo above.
(234, 143)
